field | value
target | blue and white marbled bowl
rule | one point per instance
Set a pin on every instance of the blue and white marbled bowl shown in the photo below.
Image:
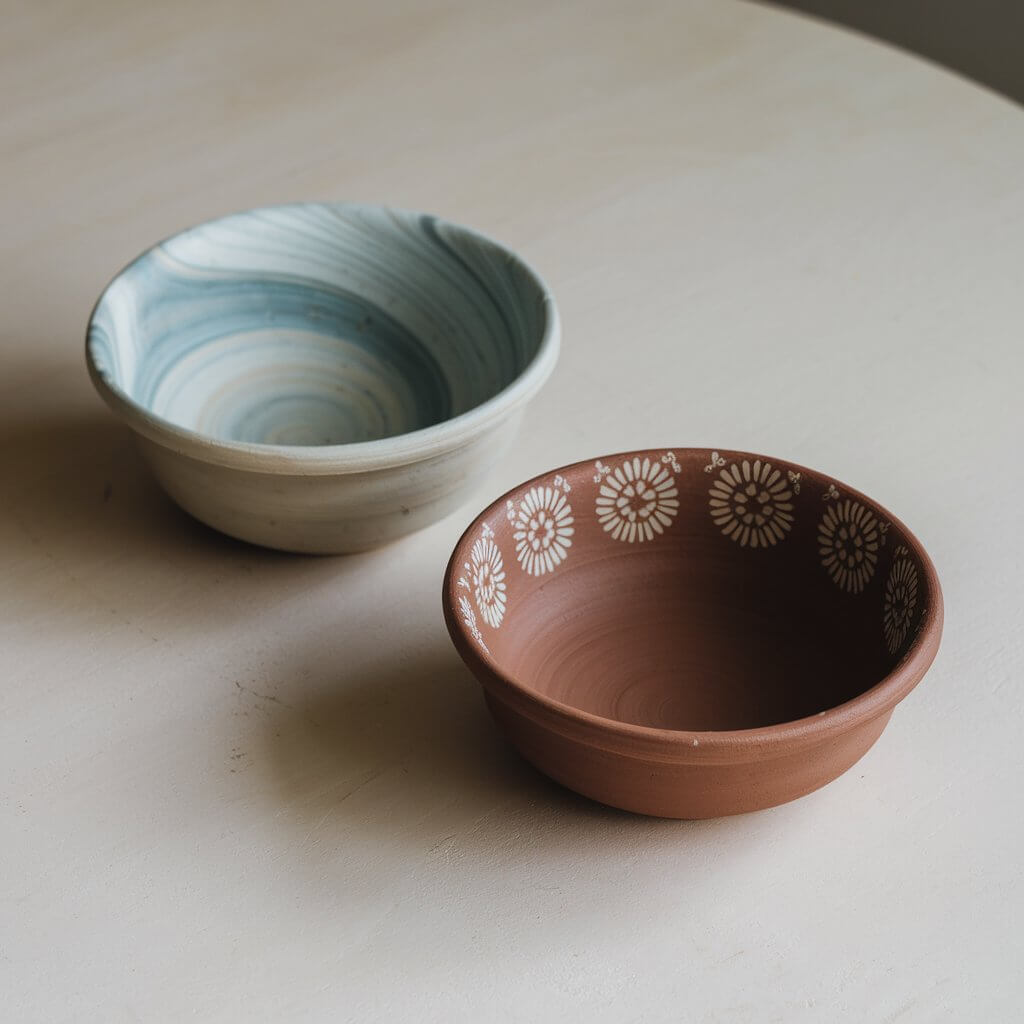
(323, 377)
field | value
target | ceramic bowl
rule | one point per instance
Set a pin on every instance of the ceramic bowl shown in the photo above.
(692, 633)
(323, 377)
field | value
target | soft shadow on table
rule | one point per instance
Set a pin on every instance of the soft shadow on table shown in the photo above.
(81, 507)
(409, 756)
(85, 473)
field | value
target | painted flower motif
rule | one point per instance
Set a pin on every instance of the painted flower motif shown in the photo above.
(637, 499)
(849, 539)
(487, 571)
(542, 528)
(469, 618)
(900, 600)
(750, 503)
(716, 461)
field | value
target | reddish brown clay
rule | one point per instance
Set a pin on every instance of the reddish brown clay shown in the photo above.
(689, 633)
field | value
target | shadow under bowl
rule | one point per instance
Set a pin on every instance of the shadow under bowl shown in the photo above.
(691, 633)
(323, 377)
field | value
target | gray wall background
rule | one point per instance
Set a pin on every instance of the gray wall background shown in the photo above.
(982, 39)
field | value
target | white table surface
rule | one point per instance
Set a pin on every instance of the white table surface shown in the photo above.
(243, 786)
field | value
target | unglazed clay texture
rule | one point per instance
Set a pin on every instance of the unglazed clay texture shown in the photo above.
(323, 377)
(691, 633)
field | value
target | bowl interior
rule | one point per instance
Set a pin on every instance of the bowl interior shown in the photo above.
(689, 590)
(318, 324)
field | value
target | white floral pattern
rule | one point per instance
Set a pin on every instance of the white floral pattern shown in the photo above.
(716, 461)
(542, 527)
(750, 503)
(900, 600)
(637, 499)
(487, 572)
(469, 618)
(849, 538)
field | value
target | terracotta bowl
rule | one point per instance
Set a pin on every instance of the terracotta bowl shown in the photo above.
(692, 633)
(323, 377)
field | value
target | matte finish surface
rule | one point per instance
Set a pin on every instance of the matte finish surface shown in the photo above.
(651, 628)
(239, 785)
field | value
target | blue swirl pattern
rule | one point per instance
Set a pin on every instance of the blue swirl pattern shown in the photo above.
(317, 324)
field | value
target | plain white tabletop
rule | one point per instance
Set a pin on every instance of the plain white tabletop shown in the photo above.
(243, 786)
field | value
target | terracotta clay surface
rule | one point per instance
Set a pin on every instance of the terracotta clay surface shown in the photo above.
(692, 633)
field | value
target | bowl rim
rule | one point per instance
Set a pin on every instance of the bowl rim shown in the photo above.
(696, 746)
(361, 456)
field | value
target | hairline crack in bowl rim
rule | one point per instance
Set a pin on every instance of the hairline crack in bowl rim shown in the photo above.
(682, 746)
(361, 456)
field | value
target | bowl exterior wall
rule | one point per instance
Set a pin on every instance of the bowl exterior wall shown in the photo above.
(328, 513)
(677, 790)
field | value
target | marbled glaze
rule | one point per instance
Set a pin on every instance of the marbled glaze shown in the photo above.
(317, 324)
(320, 338)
